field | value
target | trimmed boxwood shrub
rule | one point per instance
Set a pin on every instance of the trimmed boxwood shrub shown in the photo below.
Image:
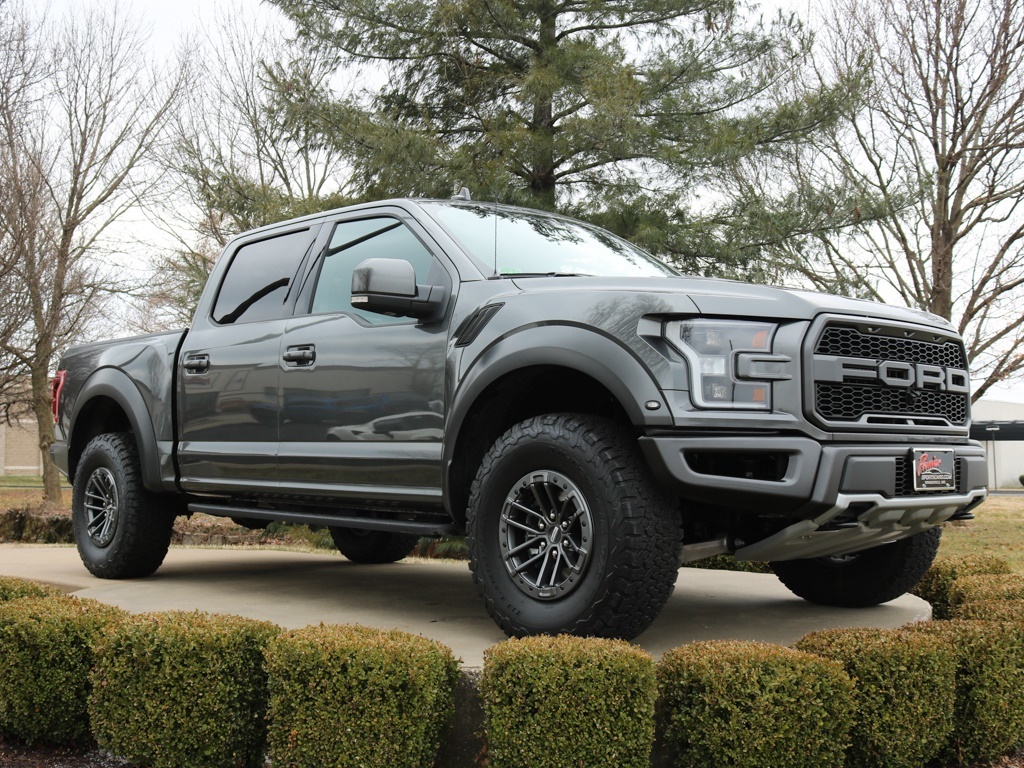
(12, 588)
(905, 691)
(45, 656)
(568, 701)
(935, 585)
(182, 690)
(356, 696)
(988, 716)
(971, 589)
(754, 705)
(992, 610)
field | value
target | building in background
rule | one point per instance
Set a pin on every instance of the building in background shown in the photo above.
(19, 449)
(1000, 426)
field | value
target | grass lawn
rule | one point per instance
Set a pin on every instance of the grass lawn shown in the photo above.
(17, 492)
(997, 530)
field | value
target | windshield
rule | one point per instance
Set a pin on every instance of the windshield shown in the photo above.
(516, 242)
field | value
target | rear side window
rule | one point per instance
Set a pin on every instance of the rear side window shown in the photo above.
(257, 281)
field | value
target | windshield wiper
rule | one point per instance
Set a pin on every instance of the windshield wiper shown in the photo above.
(545, 274)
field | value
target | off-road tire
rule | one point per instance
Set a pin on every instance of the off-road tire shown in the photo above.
(361, 546)
(867, 578)
(141, 521)
(633, 557)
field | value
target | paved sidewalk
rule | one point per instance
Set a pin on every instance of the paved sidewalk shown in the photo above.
(430, 598)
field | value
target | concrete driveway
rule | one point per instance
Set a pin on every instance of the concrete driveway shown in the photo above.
(429, 598)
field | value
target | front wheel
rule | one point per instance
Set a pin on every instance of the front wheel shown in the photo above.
(361, 546)
(568, 532)
(122, 530)
(862, 579)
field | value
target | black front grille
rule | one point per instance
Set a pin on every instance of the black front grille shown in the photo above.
(905, 478)
(871, 400)
(848, 402)
(843, 341)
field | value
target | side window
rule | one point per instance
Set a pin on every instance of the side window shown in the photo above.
(256, 284)
(355, 241)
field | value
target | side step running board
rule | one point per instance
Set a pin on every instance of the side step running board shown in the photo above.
(305, 517)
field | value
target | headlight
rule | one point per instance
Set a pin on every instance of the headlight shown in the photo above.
(721, 375)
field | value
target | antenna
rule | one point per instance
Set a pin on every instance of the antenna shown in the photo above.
(495, 235)
(461, 193)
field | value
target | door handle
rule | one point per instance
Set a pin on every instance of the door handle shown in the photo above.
(197, 363)
(303, 354)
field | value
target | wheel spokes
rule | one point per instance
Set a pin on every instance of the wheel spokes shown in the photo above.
(101, 507)
(545, 524)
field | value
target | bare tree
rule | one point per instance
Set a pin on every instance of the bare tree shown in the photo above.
(84, 114)
(236, 159)
(932, 166)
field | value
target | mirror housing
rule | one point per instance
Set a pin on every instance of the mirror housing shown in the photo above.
(388, 286)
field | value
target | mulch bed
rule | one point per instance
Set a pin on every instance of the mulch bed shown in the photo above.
(14, 756)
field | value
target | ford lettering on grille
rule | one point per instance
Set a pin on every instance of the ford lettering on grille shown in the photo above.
(890, 373)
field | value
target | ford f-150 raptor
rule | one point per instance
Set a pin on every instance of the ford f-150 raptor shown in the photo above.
(586, 416)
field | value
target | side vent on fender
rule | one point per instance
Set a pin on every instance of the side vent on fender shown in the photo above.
(472, 325)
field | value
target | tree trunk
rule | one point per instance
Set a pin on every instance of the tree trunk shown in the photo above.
(542, 177)
(41, 407)
(940, 300)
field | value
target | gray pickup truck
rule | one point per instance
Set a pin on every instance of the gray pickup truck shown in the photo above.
(586, 416)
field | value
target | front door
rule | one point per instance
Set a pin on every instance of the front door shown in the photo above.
(362, 394)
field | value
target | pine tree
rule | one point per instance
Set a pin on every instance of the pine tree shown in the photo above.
(624, 113)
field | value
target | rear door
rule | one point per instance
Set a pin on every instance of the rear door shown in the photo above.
(230, 366)
(362, 394)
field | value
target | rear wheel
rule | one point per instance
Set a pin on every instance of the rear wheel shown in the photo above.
(361, 546)
(122, 530)
(862, 579)
(568, 532)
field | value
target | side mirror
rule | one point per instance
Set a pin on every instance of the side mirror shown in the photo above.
(388, 286)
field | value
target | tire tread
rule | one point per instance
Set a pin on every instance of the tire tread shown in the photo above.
(145, 520)
(877, 576)
(645, 534)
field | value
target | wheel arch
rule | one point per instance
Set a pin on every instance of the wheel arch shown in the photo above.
(110, 402)
(514, 380)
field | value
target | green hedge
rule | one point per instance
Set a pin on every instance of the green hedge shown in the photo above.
(971, 589)
(935, 585)
(905, 692)
(355, 696)
(753, 705)
(12, 588)
(988, 717)
(182, 690)
(992, 610)
(551, 702)
(45, 656)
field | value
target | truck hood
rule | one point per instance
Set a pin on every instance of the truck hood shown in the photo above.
(735, 299)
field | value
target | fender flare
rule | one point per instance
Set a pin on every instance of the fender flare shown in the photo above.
(598, 356)
(117, 386)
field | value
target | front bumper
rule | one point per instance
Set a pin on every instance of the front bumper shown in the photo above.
(846, 497)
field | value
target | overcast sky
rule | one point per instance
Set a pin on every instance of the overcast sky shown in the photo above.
(173, 20)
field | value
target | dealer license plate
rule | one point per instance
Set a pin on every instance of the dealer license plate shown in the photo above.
(934, 470)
